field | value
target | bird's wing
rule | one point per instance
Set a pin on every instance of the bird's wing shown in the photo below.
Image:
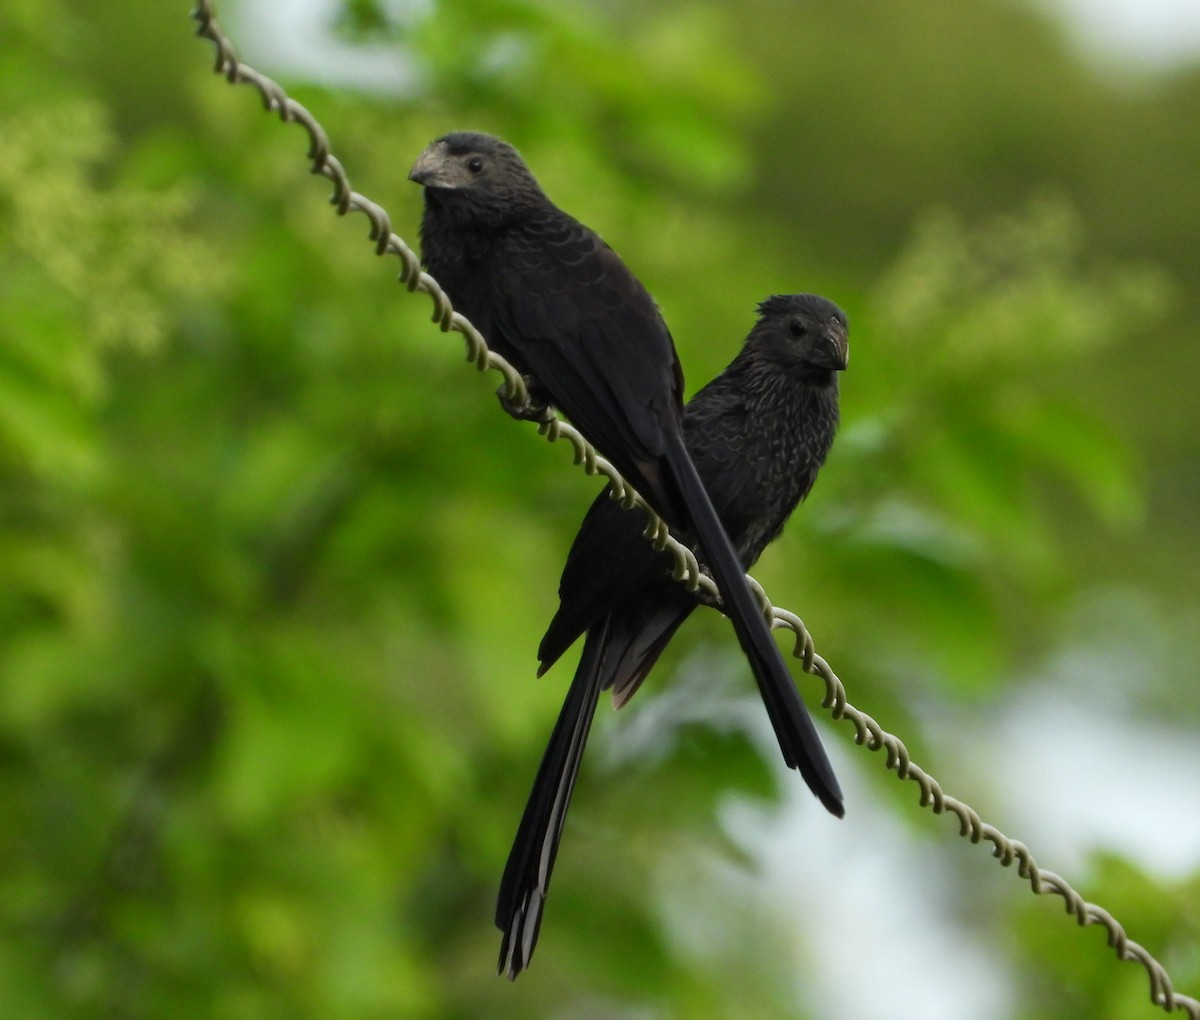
(610, 561)
(593, 337)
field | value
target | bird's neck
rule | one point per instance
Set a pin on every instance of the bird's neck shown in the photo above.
(471, 214)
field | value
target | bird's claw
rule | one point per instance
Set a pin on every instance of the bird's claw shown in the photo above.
(529, 409)
(703, 596)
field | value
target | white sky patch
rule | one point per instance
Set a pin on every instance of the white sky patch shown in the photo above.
(869, 909)
(1152, 31)
(1081, 781)
(295, 37)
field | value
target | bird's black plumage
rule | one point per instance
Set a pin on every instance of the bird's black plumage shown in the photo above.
(556, 302)
(553, 299)
(758, 435)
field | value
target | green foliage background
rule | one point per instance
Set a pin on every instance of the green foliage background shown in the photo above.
(273, 565)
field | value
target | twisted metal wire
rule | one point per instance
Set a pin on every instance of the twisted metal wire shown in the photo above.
(868, 732)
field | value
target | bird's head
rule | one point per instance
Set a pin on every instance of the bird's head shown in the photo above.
(470, 170)
(802, 334)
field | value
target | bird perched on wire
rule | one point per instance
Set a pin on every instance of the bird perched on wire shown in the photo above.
(758, 434)
(555, 301)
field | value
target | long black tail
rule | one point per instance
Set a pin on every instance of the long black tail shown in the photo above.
(531, 860)
(794, 729)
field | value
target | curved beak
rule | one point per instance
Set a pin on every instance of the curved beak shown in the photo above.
(430, 169)
(839, 346)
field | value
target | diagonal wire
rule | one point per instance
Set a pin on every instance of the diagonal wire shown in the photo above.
(867, 731)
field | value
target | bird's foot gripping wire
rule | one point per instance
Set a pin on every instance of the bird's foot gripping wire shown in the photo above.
(527, 407)
(707, 597)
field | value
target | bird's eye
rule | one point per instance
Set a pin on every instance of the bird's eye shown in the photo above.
(797, 327)
(475, 164)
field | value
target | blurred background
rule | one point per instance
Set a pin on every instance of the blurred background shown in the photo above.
(273, 565)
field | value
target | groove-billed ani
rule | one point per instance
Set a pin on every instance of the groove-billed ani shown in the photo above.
(557, 302)
(757, 434)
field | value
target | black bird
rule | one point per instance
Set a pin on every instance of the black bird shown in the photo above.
(553, 299)
(757, 434)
